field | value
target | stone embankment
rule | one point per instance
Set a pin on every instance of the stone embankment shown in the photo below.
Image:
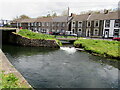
(7, 67)
(20, 40)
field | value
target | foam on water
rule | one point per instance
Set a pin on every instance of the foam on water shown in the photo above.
(69, 50)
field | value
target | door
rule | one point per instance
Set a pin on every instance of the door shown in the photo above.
(88, 33)
(106, 33)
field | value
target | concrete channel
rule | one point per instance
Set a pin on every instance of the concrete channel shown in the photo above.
(6, 66)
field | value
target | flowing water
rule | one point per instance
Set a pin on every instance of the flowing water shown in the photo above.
(62, 68)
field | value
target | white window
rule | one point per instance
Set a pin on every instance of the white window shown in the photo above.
(47, 24)
(35, 24)
(117, 23)
(39, 24)
(28, 24)
(79, 24)
(116, 32)
(73, 23)
(32, 24)
(96, 32)
(43, 24)
(80, 31)
(28, 28)
(88, 23)
(107, 23)
(96, 24)
(63, 24)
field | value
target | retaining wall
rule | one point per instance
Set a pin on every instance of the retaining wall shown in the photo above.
(20, 40)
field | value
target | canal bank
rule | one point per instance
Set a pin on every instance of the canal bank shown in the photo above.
(104, 48)
(7, 68)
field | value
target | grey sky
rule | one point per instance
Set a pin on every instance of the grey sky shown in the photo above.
(34, 8)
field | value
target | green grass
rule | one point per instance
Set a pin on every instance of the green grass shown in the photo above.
(10, 81)
(102, 47)
(32, 35)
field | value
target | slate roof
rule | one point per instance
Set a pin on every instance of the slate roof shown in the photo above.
(28, 20)
(44, 19)
(61, 19)
(82, 17)
(102, 16)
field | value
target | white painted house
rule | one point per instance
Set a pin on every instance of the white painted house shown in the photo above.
(111, 25)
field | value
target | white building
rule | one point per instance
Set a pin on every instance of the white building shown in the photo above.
(111, 25)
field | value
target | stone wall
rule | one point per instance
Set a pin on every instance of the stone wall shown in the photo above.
(20, 40)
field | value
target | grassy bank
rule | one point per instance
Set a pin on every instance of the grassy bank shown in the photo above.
(10, 81)
(32, 35)
(100, 47)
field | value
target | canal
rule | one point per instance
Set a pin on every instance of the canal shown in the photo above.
(62, 68)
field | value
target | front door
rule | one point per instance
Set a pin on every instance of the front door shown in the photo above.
(88, 33)
(106, 33)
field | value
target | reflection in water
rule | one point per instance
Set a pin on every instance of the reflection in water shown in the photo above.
(62, 68)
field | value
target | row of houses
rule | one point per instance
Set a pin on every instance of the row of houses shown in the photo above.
(85, 25)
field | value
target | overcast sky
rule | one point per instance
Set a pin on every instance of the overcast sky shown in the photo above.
(9, 9)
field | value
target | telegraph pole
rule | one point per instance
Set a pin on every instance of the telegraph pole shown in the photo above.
(68, 19)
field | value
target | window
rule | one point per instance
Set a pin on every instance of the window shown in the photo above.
(35, 24)
(96, 31)
(20, 24)
(80, 31)
(63, 24)
(116, 32)
(117, 23)
(43, 24)
(96, 24)
(73, 30)
(107, 23)
(28, 24)
(31, 24)
(80, 24)
(46, 23)
(89, 24)
(58, 24)
(39, 23)
(73, 24)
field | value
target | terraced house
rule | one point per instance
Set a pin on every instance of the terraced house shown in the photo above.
(61, 23)
(79, 23)
(111, 25)
(43, 24)
(100, 25)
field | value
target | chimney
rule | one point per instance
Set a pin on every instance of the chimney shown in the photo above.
(106, 11)
(72, 15)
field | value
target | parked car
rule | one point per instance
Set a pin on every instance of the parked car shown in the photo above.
(116, 38)
(73, 35)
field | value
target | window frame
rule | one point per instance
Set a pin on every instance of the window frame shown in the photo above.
(96, 23)
(79, 25)
(107, 23)
(95, 32)
(89, 22)
(73, 24)
(117, 23)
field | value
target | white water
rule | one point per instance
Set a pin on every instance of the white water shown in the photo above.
(69, 50)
